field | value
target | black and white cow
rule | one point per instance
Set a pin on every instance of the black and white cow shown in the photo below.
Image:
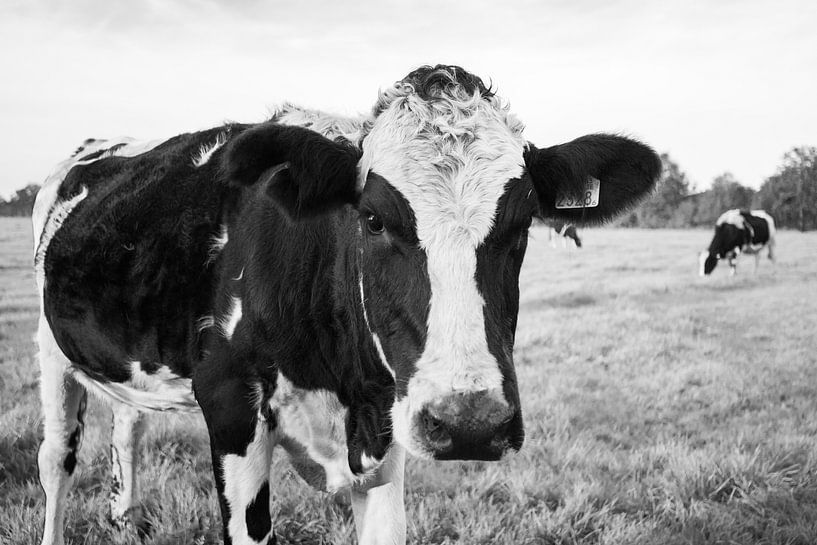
(737, 232)
(565, 230)
(346, 288)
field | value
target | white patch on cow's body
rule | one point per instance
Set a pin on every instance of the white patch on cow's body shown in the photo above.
(243, 479)
(369, 463)
(206, 151)
(312, 428)
(229, 322)
(452, 159)
(379, 347)
(375, 337)
(126, 510)
(159, 391)
(732, 217)
(329, 125)
(59, 212)
(63, 407)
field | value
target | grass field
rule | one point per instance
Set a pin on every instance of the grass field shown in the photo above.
(660, 408)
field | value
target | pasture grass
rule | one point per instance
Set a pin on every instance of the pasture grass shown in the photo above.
(660, 408)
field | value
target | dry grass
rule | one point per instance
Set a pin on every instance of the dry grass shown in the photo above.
(659, 409)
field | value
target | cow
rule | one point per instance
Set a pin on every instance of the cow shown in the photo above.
(736, 232)
(564, 230)
(345, 288)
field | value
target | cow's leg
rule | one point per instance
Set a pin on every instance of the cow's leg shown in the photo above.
(771, 254)
(757, 261)
(63, 401)
(127, 431)
(241, 443)
(377, 504)
(733, 269)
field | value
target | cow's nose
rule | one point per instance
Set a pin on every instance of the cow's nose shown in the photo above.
(470, 426)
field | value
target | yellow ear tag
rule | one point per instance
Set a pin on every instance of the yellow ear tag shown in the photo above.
(588, 199)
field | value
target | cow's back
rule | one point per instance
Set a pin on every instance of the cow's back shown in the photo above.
(124, 256)
(762, 226)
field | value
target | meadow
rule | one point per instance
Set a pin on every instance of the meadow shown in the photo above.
(660, 408)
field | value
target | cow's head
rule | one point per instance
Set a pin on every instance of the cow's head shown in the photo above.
(707, 260)
(446, 187)
(730, 233)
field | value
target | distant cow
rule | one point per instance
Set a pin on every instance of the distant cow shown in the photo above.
(737, 232)
(345, 288)
(567, 231)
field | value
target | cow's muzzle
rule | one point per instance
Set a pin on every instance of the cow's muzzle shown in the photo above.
(470, 426)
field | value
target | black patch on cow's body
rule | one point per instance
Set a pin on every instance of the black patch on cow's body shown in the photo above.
(70, 462)
(127, 274)
(395, 277)
(257, 515)
(499, 260)
(759, 228)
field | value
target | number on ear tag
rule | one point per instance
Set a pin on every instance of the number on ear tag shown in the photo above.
(588, 199)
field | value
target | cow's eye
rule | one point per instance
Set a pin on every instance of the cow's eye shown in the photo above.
(374, 224)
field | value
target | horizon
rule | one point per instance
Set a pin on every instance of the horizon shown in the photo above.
(722, 88)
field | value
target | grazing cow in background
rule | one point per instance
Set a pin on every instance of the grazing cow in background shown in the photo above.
(737, 232)
(345, 288)
(564, 230)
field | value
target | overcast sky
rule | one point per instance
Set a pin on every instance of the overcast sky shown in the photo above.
(721, 86)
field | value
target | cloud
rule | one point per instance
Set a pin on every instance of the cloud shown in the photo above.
(721, 86)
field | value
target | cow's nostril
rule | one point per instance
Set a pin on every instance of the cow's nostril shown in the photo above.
(436, 431)
(431, 423)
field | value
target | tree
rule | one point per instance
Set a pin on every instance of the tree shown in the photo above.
(790, 195)
(664, 207)
(726, 193)
(21, 203)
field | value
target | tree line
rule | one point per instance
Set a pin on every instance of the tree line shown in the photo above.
(790, 196)
(21, 203)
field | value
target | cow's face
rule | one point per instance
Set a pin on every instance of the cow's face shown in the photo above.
(446, 201)
(707, 262)
(444, 214)
(727, 239)
(446, 188)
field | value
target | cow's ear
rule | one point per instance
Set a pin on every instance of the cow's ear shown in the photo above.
(304, 172)
(592, 178)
